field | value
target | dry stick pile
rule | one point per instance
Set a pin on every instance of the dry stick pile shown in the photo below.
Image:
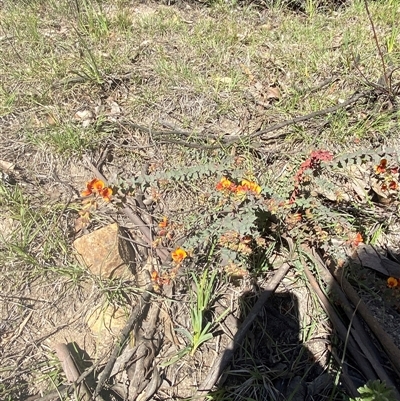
(358, 342)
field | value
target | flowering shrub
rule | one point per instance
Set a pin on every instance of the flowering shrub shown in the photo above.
(243, 218)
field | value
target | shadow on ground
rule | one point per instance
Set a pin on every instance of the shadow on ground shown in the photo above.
(290, 353)
(276, 361)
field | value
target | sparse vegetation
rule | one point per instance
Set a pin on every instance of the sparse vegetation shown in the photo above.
(244, 136)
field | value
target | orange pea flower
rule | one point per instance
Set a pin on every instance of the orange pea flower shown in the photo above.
(225, 184)
(381, 167)
(178, 255)
(252, 186)
(94, 186)
(106, 194)
(248, 186)
(357, 240)
(89, 188)
(393, 185)
(163, 223)
(392, 282)
(97, 186)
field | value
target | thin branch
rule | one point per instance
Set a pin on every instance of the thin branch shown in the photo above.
(319, 113)
(237, 139)
(124, 335)
(385, 74)
(224, 359)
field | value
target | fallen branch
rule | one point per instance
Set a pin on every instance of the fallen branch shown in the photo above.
(224, 141)
(392, 351)
(341, 330)
(71, 371)
(222, 362)
(357, 330)
(134, 317)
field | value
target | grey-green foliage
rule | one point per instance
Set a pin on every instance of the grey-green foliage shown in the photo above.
(242, 221)
(218, 214)
(182, 174)
(362, 156)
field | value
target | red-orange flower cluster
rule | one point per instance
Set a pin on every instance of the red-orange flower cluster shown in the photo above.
(387, 175)
(97, 187)
(313, 162)
(245, 186)
(392, 185)
(226, 185)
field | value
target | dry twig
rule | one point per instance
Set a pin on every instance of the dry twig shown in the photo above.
(134, 317)
(225, 141)
(224, 359)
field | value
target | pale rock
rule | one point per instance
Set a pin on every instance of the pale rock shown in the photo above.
(105, 323)
(105, 253)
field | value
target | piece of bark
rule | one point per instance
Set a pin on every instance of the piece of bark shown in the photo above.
(145, 354)
(368, 256)
(357, 330)
(71, 371)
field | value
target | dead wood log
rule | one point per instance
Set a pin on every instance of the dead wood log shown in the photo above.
(357, 330)
(392, 351)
